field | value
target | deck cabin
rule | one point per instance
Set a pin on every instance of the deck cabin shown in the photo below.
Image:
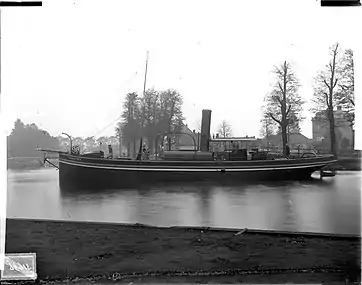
(235, 148)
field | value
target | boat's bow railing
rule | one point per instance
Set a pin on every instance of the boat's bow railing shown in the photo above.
(174, 133)
(51, 150)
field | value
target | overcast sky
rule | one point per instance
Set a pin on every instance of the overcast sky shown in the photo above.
(67, 65)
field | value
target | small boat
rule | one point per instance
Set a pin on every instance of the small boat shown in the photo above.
(327, 173)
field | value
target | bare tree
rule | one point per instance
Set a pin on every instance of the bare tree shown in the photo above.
(294, 124)
(325, 96)
(225, 129)
(284, 103)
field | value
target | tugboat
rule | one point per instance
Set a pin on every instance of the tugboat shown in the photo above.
(94, 170)
(97, 171)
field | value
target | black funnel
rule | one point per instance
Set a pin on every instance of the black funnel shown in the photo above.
(205, 130)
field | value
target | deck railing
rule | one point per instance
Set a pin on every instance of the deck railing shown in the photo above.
(271, 149)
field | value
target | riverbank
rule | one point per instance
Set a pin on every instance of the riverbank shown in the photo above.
(101, 250)
(348, 163)
(24, 163)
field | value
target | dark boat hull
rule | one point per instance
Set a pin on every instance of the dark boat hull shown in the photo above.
(87, 173)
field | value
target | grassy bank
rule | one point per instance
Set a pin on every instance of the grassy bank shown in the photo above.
(19, 163)
(81, 249)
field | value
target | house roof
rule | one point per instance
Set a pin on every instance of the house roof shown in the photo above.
(277, 136)
(234, 139)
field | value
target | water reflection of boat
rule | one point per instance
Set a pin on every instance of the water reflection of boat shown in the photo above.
(199, 164)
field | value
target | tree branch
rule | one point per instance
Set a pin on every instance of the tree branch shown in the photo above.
(325, 82)
(276, 120)
(330, 66)
(280, 87)
(326, 97)
(335, 83)
(288, 109)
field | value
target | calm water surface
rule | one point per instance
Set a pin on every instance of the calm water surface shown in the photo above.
(331, 205)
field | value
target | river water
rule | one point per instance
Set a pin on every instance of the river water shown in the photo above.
(331, 205)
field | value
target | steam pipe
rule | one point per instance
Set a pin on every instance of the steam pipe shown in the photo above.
(71, 144)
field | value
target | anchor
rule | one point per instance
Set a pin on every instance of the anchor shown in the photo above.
(47, 158)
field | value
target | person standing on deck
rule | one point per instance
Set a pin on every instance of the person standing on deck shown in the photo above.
(162, 150)
(287, 150)
(144, 152)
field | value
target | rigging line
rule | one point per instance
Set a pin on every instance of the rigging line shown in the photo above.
(132, 77)
(105, 128)
(120, 87)
(127, 81)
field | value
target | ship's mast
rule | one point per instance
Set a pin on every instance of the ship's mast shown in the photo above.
(144, 84)
(144, 91)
